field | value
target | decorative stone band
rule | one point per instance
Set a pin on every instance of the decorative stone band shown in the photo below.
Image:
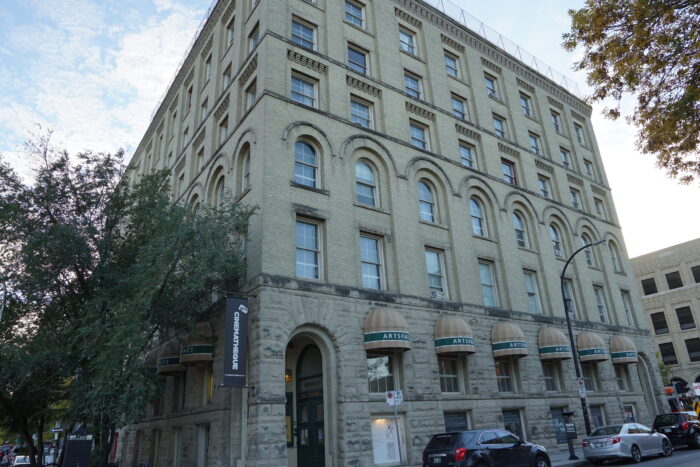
(196, 353)
(390, 338)
(555, 352)
(454, 344)
(169, 364)
(624, 357)
(509, 349)
(592, 355)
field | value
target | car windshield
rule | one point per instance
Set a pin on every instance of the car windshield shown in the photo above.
(667, 419)
(607, 430)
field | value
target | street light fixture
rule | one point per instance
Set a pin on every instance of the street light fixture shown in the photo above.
(574, 351)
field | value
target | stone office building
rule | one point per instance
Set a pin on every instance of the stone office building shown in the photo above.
(670, 283)
(420, 190)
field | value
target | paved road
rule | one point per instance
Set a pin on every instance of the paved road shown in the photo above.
(682, 457)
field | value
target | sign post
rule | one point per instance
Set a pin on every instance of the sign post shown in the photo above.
(395, 398)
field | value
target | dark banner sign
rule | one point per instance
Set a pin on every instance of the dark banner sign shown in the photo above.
(236, 345)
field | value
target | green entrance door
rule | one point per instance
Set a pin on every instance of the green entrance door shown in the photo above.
(310, 432)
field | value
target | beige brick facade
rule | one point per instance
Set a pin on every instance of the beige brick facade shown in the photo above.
(249, 103)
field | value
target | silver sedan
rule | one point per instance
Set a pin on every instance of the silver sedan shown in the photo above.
(626, 441)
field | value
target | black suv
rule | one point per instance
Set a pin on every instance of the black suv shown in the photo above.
(679, 427)
(483, 448)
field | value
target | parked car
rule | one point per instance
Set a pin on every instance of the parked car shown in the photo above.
(627, 441)
(21, 460)
(483, 448)
(682, 428)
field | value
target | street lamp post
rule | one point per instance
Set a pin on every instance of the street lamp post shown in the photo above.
(574, 351)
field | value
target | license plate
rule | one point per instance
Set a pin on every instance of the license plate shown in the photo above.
(437, 460)
(599, 445)
(668, 430)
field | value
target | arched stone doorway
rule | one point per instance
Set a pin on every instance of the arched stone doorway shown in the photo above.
(647, 386)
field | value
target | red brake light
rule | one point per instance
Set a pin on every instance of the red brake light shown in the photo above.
(460, 454)
(585, 444)
(684, 426)
(616, 440)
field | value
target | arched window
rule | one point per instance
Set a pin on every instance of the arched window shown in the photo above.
(520, 230)
(590, 258)
(615, 256)
(246, 172)
(305, 164)
(427, 204)
(219, 192)
(194, 204)
(556, 240)
(478, 218)
(365, 184)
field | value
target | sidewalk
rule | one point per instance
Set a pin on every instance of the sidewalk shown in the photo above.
(560, 458)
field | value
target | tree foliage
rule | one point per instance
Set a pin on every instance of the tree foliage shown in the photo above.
(100, 267)
(650, 49)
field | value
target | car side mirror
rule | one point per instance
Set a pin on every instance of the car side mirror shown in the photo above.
(653, 430)
(519, 442)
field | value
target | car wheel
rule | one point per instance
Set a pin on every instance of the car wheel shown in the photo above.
(696, 440)
(666, 448)
(541, 461)
(636, 455)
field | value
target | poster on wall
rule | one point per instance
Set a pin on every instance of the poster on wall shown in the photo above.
(236, 344)
(385, 441)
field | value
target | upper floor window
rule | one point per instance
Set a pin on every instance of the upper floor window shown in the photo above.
(412, 85)
(615, 257)
(504, 376)
(451, 65)
(556, 240)
(556, 122)
(575, 198)
(588, 252)
(478, 217)
(520, 230)
(627, 305)
(303, 34)
(658, 321)
(580, 137)
(246, 172)
(355, 13)
(230, 33)
(253, 38)
(305, 164)
(227, 75)
(533, 295)
(304, 90)
(499, 126)
(419, 135)
(357, 60)
(649, 286)
(426, 202)
(568, 288)
(207, 69)
(600, 303)
(448, 369)
(508, 169)
(695, 270)
(223, 130)
(308, 250)
(588, 167)
(685, 318)
(467, 155)
(219, 192)
(526, 105)
(491, 86)
(668, 353)
(360, 113)
(488, 283)
(459, 107)
(436, 276)
(565, 158)
(600, 208)
(381, 373)
(674, 281)
(535, 143)
(693, 348)
(251, 95)
(545, 186)
(407, 40)
(370, 262)
(365, 184)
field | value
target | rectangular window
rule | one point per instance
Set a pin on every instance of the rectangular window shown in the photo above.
(303, 34)
(600, 208)
(526, 105)
(407, 41)
(360, 113)
(304, 90)
(621, 377)
(188, 98)
(590, 376)
(649, 286)
(204, 111)
(488, 283)
(597, 416)
(456, 421)
(693, 347)
(556, 122)
(508, 169)
(499, 126)
(223, 130)
(207, 69)
(628, 414)
(230, 33)
(412, 85)
(535, 143)
(491, 86)
(658, 321)
(371, 262)
(253, 38)
(227, 76)
(251, 95)
(513, 422)
(459, 107)
(533, 296)
(685, 318)
(588, 166)
(466, 155)
(504, 375)
(545, 186)
(579, 134)
(308, 250)
(357, 60)
(668, 353)
(354, 14)
(380, 373)
(695, 270)
(436, 277)
(565, 158)
(627, 305)
(674, 281)
(449, 374)
(451, 65)
(600, 303)
(419, 135)
(575, 198)
(549, 373)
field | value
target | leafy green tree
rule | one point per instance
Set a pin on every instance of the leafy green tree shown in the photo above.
(651, 50)
(101, 266)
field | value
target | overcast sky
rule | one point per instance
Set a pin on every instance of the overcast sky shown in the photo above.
(94, 70)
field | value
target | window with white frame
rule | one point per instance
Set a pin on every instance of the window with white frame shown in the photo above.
(491, 86)
(588, 167)
(254, 38)
(565, 158)
(627, 306)
(251, 95)
(419, 135)
(357, 60)
(588, 252)
(459, 107)
(308, 249)
(600, 208)
(361, 112)
(545, 186)
(220, 192)
(204, 110)
(448, 369)
(223, 129)
(556, 122)
(535, 143)
(520, 230)
(451, 64)
(508, 169)
(467, 155)
(371, 261)
(207, 69)
(615, 257)
(365, 184)
(305, 164)
(304, 90)
(622, 377)
(555, 236)
(580, 137)
(303, 34)
(550, 375)
(434, 266)
(381, 372)
(590, 375)
(246, 172)
(570, 297)
(499, 126)
(600, 303)
(355, 13)
(526, 105)
(575, 198)
(412, 85)
(426, 202)
(488, 283)
(478, 217)
(505, 378)
(188, 98)
(227, 75)
(532, 290)
(230, 33)
(407, 41)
